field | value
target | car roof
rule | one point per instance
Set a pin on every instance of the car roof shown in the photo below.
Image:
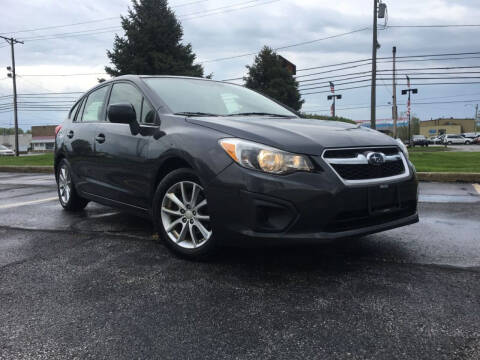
(138, 77)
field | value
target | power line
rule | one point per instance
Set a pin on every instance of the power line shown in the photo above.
(219, 8)
(90, 21)
(341, 77)
(51, 75)
(62, 26)
(365, 86)
(389, 105)
(287, 46)
(103, 30)
(366, 64)
(433, 26)
(189, 3)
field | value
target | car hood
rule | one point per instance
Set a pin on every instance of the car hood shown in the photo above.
(305, 136)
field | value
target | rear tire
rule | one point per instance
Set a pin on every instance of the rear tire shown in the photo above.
(67, 194)
(181, 217)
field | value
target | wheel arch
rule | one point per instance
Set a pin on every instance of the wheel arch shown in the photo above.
(58, 158)
(168, 165)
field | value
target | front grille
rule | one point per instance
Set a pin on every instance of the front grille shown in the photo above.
(353, 164)
(352, 153)
(368, 172)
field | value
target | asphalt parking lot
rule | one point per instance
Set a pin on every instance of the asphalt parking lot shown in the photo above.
(98, 285)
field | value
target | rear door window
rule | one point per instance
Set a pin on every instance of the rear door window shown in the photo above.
(94, 105)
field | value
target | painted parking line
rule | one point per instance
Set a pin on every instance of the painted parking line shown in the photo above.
(477, 188)
(34, 202)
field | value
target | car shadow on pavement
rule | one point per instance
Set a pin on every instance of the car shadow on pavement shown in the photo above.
(336, 256)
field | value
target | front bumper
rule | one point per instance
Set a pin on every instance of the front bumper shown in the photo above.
(253, 207)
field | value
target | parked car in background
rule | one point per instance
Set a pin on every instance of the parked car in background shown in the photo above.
(470, 135)
(436, 140)
(476, 141)
(419, 140)
(452, 139)
(211, 162)
(4, 151)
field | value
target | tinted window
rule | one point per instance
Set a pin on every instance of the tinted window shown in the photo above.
(123, 93)
(94, 105)
(191, 95)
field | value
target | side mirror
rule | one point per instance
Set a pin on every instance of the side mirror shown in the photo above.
(122, 114)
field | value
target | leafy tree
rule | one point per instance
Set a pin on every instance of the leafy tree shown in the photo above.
(152, 43)
(10, 131)
(269, 76)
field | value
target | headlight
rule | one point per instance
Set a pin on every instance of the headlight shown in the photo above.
(402, 147)
(261, 157)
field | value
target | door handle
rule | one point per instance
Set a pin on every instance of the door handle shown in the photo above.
(100, 138)
(70, 134)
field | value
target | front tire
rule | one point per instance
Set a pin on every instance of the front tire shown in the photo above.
(67, 194)
(181, 217)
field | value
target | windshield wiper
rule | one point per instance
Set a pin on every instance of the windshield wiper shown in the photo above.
(260, 114)
(188, 113)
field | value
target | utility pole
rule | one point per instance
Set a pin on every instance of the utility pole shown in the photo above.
(394, 106)
(476, 119)
(409, 91)
(379, 11)
(373, 105)
(12, 43)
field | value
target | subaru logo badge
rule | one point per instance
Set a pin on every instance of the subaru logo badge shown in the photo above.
(376, 158)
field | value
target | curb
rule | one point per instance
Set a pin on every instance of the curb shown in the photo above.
(449, 177)
(27, 169)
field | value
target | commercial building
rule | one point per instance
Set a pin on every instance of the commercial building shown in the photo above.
(447, 126)
(43, 138)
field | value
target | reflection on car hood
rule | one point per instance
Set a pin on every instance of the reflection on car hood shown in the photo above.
(306, 136)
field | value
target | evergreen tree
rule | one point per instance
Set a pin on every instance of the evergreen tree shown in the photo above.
(152, 43)
(269, 76)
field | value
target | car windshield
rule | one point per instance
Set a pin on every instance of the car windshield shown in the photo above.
(3, 147)
(192, 97)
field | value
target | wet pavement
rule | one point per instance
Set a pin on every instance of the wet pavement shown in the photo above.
(98, 285)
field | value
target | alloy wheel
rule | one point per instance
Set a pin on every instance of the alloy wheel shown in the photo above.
(64, 184)
(185, 215)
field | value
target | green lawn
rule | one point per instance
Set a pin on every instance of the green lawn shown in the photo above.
(419, 149)
(446, 161)
(33, 160)
(425, 160)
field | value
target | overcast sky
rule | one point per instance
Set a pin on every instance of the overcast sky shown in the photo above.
(239, 31)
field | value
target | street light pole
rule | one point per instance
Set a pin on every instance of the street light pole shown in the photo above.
(334, 97)
(409, 91)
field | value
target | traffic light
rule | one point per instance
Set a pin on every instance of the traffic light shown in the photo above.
(9, 74)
